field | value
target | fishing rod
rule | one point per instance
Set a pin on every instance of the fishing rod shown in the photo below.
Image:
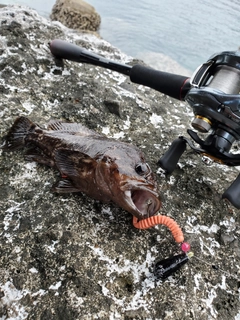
(212, 92)
(175, 86)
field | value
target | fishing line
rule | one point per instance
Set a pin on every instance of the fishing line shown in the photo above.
(217, 268)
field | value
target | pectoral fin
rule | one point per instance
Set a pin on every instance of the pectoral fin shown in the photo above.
(73, 164)
(64, 186)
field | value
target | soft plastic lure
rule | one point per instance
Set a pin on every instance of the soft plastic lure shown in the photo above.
(160, 219)
(164, 268)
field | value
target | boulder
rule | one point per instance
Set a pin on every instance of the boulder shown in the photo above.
(76, 14)
(71, 257)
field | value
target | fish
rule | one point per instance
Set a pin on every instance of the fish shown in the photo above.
(102, 168)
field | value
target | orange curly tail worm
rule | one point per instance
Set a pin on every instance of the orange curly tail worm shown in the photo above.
(155, 220)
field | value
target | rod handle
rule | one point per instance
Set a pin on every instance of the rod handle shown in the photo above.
(173, 85)
(66, 50)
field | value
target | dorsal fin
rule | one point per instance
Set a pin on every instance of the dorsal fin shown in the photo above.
(70, 128)
(57, 125)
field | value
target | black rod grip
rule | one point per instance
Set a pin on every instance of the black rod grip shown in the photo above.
(173, 85)
(169, 160)
(232, 194)
(65, 50)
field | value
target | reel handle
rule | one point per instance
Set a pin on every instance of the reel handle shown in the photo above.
(170, 159)
(232, 194)
(175, 86)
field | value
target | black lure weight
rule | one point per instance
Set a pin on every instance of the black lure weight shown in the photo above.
(165, 268)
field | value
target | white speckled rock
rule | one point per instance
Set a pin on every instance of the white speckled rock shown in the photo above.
(76, 14)
(70, 257)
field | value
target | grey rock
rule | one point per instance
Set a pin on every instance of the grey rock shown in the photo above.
(113, 106)
(70, 257)
(226, 238)
(236, 246)
(76, 14)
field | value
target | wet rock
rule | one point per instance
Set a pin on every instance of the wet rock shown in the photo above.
(236, 246)
(226, 238)
(70, 257)
(76, 14)
(113, 106)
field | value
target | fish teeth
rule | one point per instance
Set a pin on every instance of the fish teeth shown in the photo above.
(128, 193)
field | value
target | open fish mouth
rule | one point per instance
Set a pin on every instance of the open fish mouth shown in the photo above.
(144, 203)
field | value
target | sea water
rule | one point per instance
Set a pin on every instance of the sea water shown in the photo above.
(188, 32)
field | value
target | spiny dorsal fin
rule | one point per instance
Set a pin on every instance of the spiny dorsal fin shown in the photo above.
(70, 128)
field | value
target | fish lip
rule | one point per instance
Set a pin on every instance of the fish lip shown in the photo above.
(143, 202)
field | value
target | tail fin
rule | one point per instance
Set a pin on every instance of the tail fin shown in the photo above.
(15, 139)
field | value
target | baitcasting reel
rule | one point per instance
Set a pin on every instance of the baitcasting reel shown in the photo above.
(212, 92)
(215, 99)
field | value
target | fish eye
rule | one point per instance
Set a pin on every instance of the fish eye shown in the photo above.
(142, 169)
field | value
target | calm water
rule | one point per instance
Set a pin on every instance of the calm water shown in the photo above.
(187, 31)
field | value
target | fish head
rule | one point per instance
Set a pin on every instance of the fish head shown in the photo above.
(140, 192)
(132, 185)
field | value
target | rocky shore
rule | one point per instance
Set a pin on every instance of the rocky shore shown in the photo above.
(76, 14)
(70, 257)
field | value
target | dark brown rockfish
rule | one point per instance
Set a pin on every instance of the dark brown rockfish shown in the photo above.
(102, 168)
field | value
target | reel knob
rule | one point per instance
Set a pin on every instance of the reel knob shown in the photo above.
(232, 194)
(170, 159)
